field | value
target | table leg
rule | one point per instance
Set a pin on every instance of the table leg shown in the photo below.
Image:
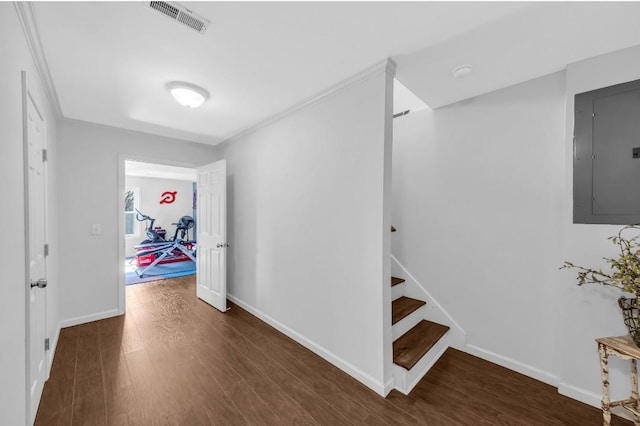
(604, 369)
(634, 382)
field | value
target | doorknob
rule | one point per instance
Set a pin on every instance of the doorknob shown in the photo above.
(222, 245)
(41, 283)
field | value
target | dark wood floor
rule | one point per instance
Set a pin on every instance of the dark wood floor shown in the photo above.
(174, 360)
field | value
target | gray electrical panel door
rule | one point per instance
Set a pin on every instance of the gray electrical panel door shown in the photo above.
(607, 155)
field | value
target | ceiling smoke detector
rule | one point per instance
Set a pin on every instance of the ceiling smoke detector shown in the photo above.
(181, 14)
(462, 71)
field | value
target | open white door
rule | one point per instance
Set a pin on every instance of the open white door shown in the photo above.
(34, 139)
(211, 219)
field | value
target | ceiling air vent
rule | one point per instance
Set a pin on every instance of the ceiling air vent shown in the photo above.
(181, 14)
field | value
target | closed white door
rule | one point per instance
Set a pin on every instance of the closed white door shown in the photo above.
(211, 277)
(36, 286)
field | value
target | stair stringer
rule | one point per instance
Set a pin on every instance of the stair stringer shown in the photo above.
(433, 311)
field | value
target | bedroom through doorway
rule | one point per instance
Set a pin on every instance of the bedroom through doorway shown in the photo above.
(159, 217)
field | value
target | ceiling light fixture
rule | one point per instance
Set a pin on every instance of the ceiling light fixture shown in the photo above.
(461, 71)
(187, 94)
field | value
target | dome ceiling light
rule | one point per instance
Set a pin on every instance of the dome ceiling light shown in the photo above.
(187, 94)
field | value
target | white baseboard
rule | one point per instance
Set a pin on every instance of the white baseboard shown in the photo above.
(389, 386)
(579, 394)
(89, 318)
(514, 365)
(590, 398)
(378, 387)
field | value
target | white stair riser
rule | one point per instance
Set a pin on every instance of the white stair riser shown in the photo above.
(408, 322)
(397, 291)
(405, 380)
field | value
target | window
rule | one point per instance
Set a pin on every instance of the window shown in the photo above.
(131, 202)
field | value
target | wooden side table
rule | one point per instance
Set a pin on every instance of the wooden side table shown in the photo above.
(623, 347)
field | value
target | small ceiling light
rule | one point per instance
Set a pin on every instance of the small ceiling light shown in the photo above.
(187, 94)
(462, 71)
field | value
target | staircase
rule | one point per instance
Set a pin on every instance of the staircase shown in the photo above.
(417, 342)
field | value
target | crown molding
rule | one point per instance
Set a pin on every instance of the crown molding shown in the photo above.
(28, 23)
(387, 66)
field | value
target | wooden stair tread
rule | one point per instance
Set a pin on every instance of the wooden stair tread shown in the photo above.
(396, 281)
(403, 306)
(411, 346)
(393, 229)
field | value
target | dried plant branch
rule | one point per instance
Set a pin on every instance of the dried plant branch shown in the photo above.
(624, 270)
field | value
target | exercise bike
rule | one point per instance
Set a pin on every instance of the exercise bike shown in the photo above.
(156, 247)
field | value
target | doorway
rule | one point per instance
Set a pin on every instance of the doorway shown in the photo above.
(158, 197)
(212, 244)
(159, 209)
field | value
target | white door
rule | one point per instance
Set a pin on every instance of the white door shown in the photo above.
(211, 219)
(34, 137)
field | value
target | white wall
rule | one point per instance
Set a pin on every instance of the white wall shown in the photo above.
(307, 230)
(151, 190)
(593, 311)
(91, 158)
(477, 201)
(16, 57)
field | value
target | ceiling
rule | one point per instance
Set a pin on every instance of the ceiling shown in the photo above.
(529, 43)
(109, 61)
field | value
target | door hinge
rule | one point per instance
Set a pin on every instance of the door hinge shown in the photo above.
(46, 249)
(44, 155)
(46, 344)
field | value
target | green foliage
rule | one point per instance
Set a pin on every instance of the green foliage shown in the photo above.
(624, 270)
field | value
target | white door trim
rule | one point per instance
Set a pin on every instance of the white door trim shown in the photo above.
(27, 250)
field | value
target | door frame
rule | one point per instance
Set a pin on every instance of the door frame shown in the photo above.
(26, 95)
(122, 157)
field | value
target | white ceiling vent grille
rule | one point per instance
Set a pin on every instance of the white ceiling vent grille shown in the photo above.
(181, 14)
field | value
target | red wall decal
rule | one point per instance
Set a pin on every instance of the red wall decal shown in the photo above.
(168, 197)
